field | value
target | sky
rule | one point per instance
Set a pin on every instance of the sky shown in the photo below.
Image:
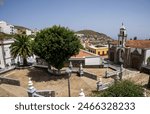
(104, 16)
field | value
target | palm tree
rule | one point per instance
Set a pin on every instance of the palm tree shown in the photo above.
(21, 47)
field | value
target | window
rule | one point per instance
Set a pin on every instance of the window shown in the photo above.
(120, 42)
(4, 53)
(98, 53)
(12, 30)
(103, 53)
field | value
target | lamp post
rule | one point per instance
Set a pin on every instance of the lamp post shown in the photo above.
(106, 73)
(68, 71)
(148, 85)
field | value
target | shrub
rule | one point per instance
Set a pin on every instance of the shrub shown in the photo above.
(123, 88)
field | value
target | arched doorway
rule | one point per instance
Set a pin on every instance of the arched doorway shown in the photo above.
(136, 60)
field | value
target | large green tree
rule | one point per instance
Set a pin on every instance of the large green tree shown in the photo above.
(56, 45)
(21, 47)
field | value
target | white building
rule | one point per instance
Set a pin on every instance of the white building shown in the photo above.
(23, 30)
(7, 28)
(28, 32)
(6, 59)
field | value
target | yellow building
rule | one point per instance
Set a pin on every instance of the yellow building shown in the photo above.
(99, 50)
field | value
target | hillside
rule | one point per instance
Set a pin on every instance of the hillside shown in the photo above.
(95, 37)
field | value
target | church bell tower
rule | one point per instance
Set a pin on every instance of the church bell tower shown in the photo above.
(122, 36)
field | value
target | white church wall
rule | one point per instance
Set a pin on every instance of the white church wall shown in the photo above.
(147, 55)
(138, 49)
(1, 58)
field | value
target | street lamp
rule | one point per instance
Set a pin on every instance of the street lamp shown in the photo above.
(68, 71)
(106, 72)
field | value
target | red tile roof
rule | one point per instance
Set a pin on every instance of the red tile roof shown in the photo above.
(138, 43)
(135, 43)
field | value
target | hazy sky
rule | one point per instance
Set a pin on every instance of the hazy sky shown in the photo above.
(103, 16)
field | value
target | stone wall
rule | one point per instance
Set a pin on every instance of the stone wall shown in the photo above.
(9, 81)
(90, 75)
(4, 70)
(46, 93)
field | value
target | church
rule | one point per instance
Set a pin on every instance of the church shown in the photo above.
(130, 53)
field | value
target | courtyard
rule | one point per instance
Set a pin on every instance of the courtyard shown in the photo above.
(42, 80)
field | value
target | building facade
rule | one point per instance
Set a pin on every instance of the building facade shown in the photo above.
(98, 50)
(6, 59)
(23, 30)
(7, 28)
(130, 53)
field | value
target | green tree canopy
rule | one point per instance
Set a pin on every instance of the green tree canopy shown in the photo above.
(123, 88)
(21, 47)
(56, 45)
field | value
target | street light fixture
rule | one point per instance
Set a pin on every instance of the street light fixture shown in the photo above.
(68, 71)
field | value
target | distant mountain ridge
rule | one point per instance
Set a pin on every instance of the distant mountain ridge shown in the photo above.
(95, 37)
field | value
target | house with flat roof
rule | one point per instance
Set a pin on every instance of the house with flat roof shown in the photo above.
(87, 59)
(101, 50)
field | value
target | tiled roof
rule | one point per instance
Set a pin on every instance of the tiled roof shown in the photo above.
(135, 43)
(83, 54)
(138, 43)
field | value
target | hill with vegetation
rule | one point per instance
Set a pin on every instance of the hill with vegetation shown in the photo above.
(95, 37)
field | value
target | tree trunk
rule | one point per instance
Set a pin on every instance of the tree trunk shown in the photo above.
(24, 61)
(49, 66)
(59, 72)
(148, 85)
